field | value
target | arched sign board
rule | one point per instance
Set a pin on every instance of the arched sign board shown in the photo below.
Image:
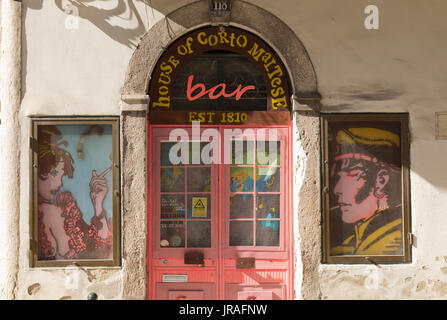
(219, 76)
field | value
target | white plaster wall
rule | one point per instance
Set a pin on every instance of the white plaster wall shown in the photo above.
(399, 68)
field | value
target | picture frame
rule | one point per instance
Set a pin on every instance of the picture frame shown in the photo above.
(75, 192)
(365, 188)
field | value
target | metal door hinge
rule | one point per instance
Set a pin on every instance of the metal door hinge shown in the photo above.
(410, 238)
(32, 245)
(32, 252)
(33, 144)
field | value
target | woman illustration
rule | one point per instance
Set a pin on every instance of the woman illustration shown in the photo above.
(63, 234)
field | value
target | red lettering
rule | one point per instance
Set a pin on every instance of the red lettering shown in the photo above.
(190, 89)
(239, 92)
(221, 93)
(212, 92)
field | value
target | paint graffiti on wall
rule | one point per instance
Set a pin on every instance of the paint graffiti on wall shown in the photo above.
(365, 191)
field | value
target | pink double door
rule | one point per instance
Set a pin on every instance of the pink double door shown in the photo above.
(219, 213)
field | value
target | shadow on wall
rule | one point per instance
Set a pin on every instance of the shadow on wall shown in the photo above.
(101, 12)
(110, 16)
(27, 5)
(122, 9)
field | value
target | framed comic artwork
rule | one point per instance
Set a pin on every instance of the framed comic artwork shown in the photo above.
(75, 212)
(366, 205)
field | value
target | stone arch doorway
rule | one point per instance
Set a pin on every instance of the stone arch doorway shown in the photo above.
(304, 107)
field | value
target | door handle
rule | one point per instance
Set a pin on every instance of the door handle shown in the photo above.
(180, 297)
(251, 298)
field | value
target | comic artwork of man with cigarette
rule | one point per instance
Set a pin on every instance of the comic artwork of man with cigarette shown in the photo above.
(366, 192)
(63, 233)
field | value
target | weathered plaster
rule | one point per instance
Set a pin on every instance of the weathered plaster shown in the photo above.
(134, 205)
(307, 214)
(306, 211)
(10, 93)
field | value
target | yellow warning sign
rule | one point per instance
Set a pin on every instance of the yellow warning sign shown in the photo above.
(199, 206)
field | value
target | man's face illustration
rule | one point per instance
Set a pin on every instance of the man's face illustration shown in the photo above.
(355, 195)
(50, 183)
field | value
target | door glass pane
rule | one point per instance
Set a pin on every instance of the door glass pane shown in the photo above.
(268, 179)
(268, 152)
(268, 206)
(172, 180)
(172, 206)
(165, 149)
(242, 152)
(195, 152)
(199, 179)
(172, 234)
(199, 206)
(267, 233)
(241, 206)
(199, 234)
(241, 179)
(241, 233)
